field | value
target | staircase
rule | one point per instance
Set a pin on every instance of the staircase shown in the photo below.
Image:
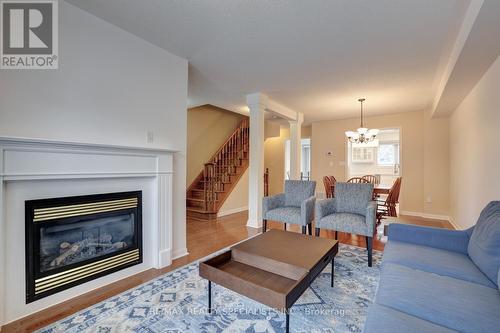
(219, 176)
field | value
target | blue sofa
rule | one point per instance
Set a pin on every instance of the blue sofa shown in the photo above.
(438, 280)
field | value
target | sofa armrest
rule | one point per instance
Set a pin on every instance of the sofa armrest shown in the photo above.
(445, 239)
(272, 202)
(307, 210)
(371, 217)
(323, 208)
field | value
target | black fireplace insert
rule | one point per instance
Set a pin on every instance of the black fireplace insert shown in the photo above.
(73, 240)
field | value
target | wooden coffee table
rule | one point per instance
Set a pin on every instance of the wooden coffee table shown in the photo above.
(274, 268)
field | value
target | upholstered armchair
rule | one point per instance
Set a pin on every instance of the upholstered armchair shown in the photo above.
(352, 211)
(295, 206)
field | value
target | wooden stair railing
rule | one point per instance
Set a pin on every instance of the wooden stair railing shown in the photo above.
(266, 182)
(219, 175)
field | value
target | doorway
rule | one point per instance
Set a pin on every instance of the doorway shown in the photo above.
(305, 159)
(381, 157)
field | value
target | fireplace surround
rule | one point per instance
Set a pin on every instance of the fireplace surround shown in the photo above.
(32, 169)
(72, 240)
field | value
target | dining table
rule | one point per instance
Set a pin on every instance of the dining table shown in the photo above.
(377, 189)
(381, 189)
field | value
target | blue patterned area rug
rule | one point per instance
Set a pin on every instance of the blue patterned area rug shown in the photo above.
(177, 302)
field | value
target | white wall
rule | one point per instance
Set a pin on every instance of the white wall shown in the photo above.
(474, 150)
(237, 201)
(112, 88)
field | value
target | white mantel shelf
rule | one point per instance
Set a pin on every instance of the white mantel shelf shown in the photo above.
(75, 144)
(45, 165)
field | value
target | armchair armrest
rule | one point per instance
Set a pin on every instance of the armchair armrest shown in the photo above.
(272, 202)
(323, 208)
(445, 239)
(307, 210)
(371, 217)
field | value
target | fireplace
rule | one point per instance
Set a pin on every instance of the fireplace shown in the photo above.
(73, 240)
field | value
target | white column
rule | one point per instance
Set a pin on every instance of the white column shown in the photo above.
(295, 146)
(257, 104)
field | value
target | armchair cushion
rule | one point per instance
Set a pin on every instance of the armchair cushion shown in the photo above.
(285, 215)
(484, 244)
(297, 191)
(352, 198)
(345, 222)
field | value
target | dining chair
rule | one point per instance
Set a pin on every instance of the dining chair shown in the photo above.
(388, 206)
(372, 179)
(329, 183)
(358, 180)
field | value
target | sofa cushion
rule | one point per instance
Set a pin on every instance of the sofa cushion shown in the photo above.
(434, 260)
(453, 303)
(381, 319)
(297, 191)
(352, 198)
(345, 222)
(484, 244)
(284, 214)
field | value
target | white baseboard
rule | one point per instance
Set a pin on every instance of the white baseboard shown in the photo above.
(179, 253)
(427, 216)
(232, 211)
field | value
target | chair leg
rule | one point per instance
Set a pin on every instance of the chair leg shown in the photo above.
(310, 229)
(284, 226)
(369, 246)
(264, 226)
(336, 235)
(317, 232)
(303, 229)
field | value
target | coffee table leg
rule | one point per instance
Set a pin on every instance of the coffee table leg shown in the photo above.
(333, 270)
(209, 296)
(287, 321)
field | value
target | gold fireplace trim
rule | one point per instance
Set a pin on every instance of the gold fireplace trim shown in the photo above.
(45, 214)
(75, 274)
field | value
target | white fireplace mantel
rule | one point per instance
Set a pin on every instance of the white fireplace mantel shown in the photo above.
(48, 164)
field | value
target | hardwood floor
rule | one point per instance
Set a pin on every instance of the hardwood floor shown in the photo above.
(203, 238)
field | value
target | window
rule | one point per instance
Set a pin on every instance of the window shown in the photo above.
(388, 154)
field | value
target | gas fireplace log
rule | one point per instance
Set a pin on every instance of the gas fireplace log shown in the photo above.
(75, 248)
(117, 245)
(61, 258)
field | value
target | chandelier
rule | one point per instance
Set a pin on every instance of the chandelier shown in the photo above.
(362, 134)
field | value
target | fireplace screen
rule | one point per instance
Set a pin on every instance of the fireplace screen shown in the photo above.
(73, 240)
(66, 244)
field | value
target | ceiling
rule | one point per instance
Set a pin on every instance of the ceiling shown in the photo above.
(317, 56)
